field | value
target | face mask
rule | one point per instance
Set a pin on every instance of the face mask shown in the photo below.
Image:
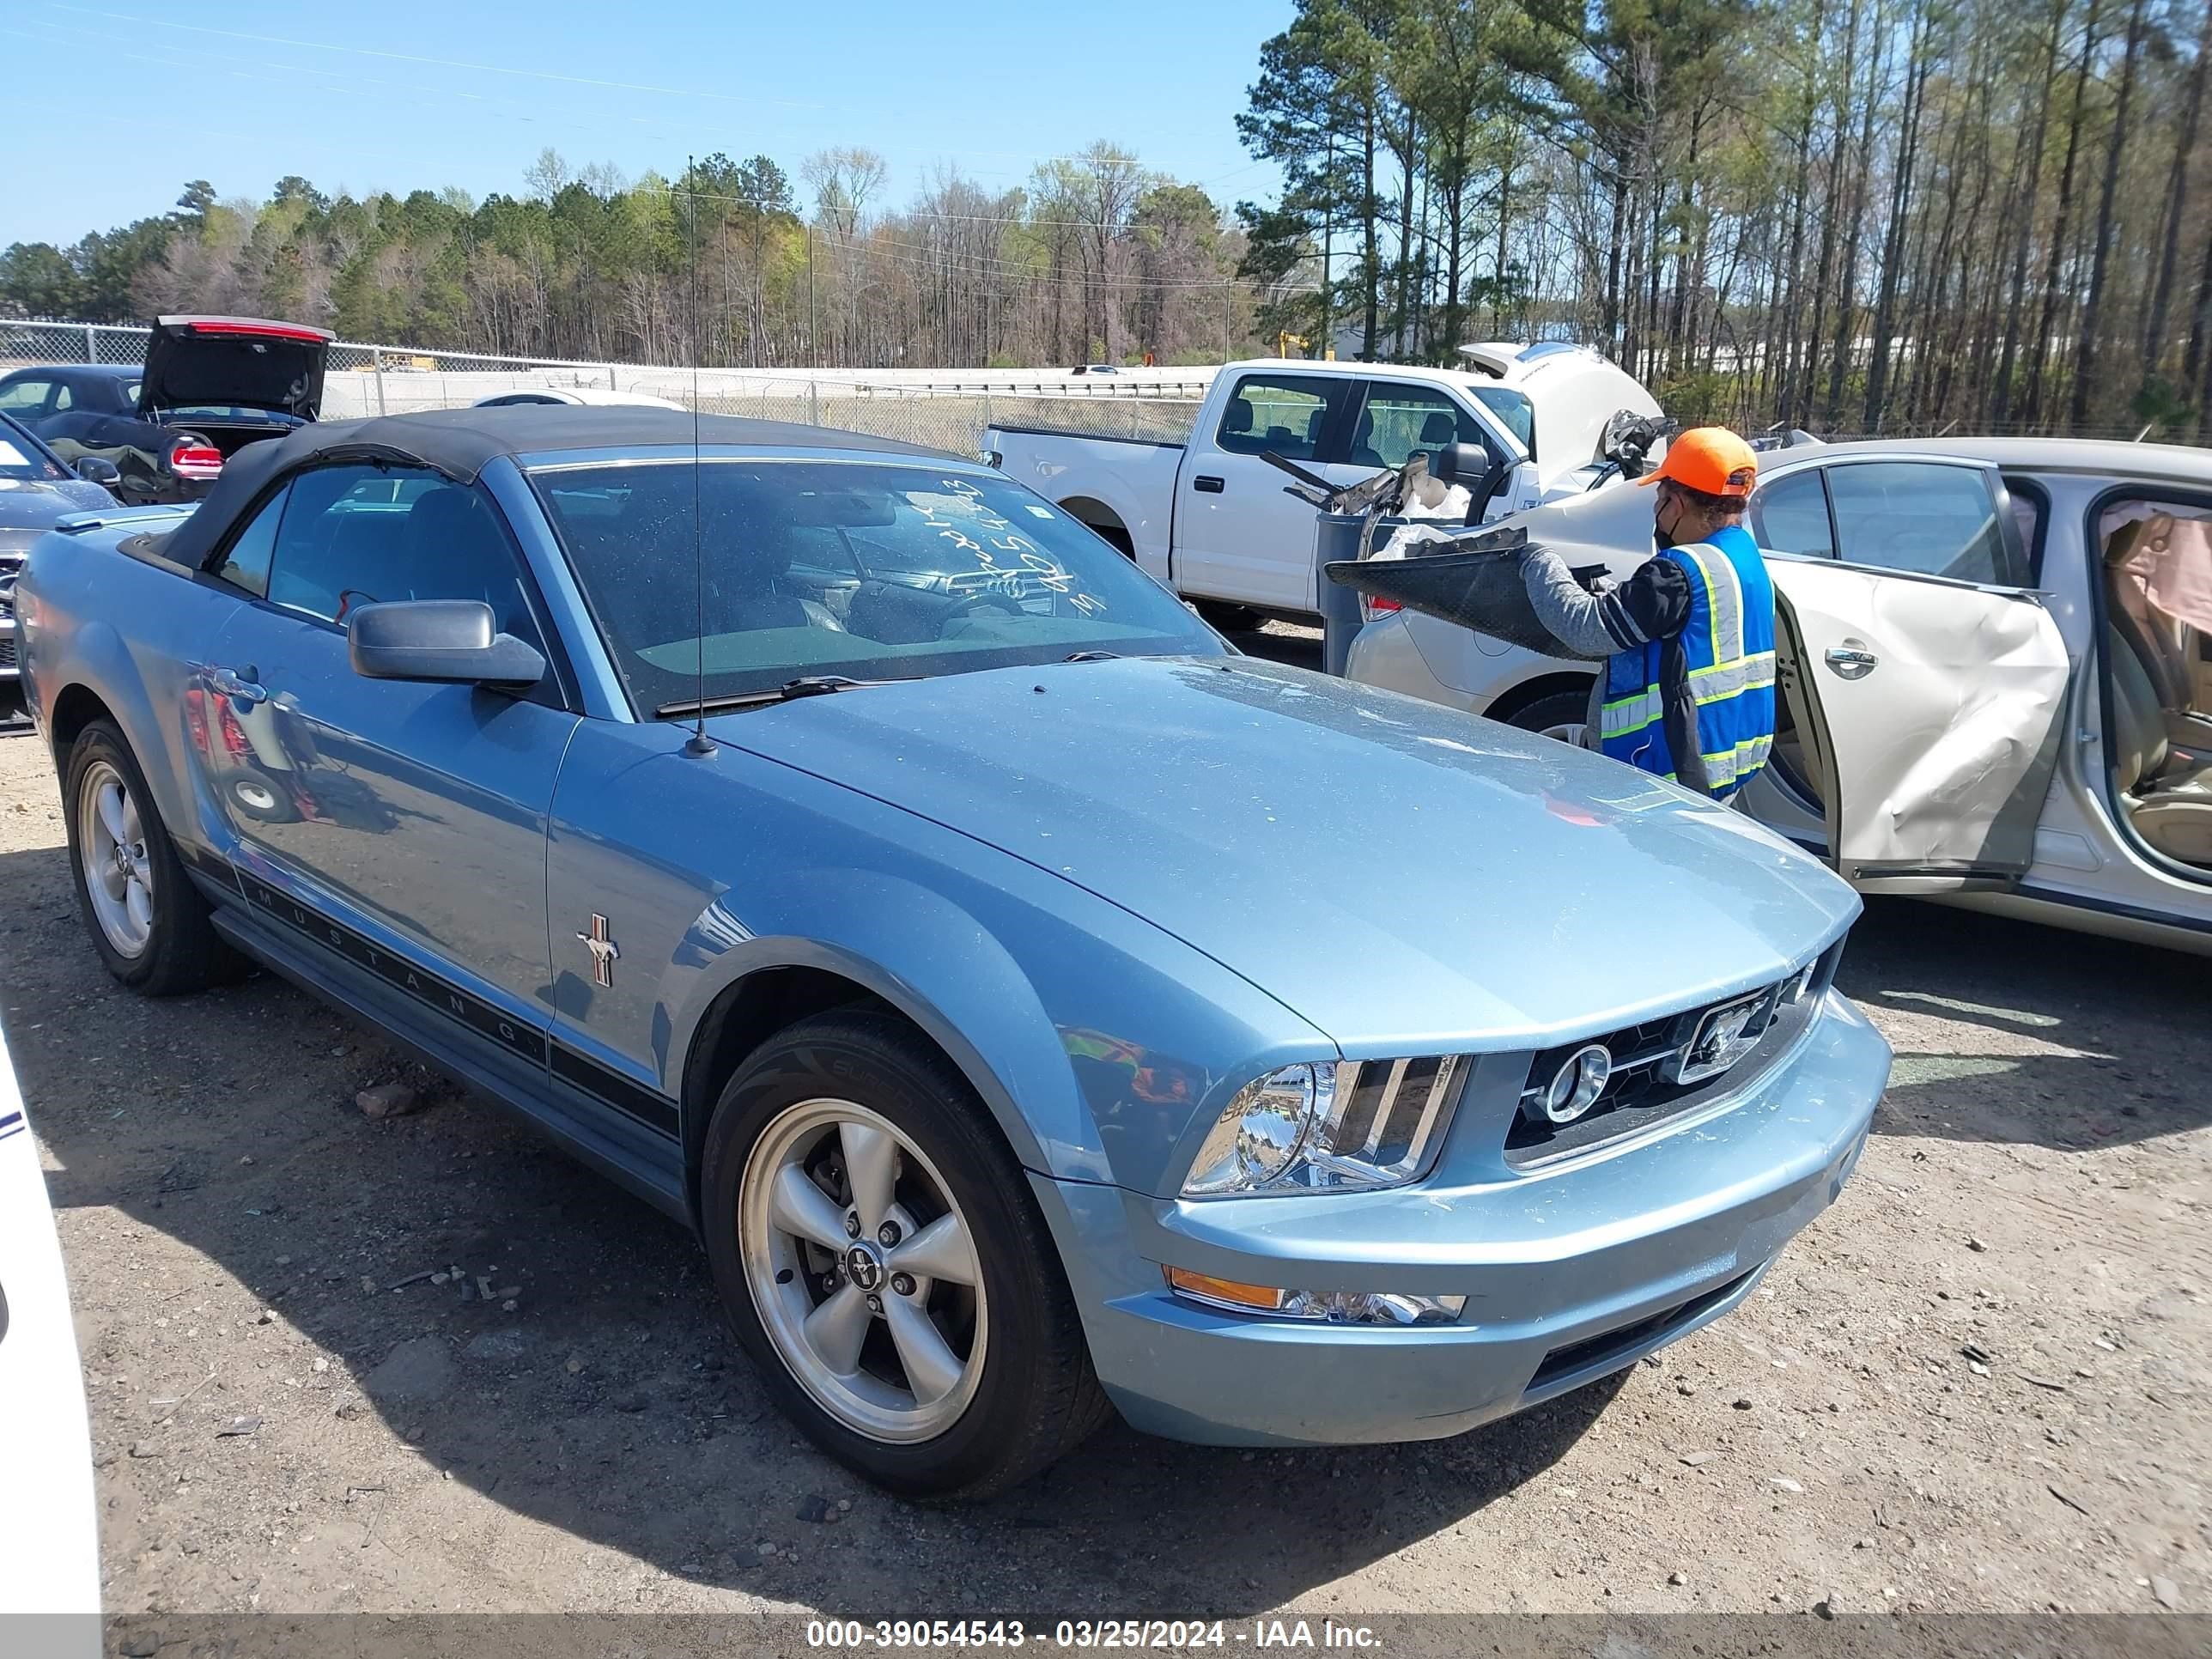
(1661, 531)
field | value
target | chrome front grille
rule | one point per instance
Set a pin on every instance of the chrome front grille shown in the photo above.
(1391, 1110)
(1659, 1068)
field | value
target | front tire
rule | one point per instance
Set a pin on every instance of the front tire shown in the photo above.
(1226, 618)
(151, 925)
(882, 1262)
(1562, 715)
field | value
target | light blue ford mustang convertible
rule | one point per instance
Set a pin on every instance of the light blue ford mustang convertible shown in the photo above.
(1036, 1007)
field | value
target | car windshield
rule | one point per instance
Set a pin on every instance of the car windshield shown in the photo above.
(890, 570)
(225, 412)
(23, 461)
(1515, 409)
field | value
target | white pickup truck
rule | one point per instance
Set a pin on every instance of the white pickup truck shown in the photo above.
(1209, 515)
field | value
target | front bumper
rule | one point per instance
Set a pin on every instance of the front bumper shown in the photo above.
(1570, 1272)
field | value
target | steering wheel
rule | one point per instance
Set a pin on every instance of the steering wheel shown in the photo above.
(975, 602)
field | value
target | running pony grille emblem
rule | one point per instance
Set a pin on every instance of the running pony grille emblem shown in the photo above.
(605, 954)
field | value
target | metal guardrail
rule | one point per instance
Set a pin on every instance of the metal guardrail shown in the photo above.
(942, 409)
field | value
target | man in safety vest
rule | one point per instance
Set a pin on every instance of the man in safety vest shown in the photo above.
(1688, 639)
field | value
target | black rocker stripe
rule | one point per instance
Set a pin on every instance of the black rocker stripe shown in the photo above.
(656, 1111)
(442, 997)
(428, 988)
(213, 866)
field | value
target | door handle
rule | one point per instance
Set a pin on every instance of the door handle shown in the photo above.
(239, 688)
(1852, 661)
(1207, 484)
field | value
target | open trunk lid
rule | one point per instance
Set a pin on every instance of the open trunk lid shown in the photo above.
(201, 367)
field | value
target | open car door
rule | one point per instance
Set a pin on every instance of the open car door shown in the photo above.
(1930, 713)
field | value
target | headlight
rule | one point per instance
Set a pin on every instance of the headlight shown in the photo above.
(1325, 1127)
(1262, 1129)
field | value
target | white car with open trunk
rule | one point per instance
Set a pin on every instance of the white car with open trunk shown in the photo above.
(1995, 657)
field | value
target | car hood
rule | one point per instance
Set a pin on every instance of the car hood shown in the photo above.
(29, 506)
(35, 503)
(1403, 876)
(236, 362)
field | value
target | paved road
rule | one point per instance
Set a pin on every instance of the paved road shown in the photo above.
(2036, 1194)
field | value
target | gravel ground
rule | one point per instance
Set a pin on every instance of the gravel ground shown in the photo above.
(1979, 1382)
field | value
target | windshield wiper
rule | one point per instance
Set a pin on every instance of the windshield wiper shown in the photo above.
(806, 685)
(1090, 656)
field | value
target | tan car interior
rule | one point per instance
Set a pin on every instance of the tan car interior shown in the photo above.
(2158, 669)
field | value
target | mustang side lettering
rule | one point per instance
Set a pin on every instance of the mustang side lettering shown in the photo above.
(852, 855)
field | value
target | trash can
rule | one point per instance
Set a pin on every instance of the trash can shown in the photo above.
(1473, 579)
(1337, 539)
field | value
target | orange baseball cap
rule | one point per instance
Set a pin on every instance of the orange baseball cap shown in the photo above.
(1711, 459)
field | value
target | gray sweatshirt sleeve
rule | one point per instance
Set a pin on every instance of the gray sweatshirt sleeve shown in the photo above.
(1588, 625)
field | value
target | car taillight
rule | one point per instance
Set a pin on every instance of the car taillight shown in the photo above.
(196, 719)
(190, 459)
(233, 734)
(251, 329)
(1371, 606)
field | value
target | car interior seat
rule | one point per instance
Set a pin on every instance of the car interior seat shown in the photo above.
(2167, 797)
(1438, 429)
(2161, 642)
(1238, 422)
(785, 600)
(1364, 452)
(450, 548)
(321, 567)
(359, 542)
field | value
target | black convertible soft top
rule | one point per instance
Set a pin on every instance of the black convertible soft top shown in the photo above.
(461, 442)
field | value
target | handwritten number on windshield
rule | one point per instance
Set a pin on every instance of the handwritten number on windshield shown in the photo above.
(1003, 538)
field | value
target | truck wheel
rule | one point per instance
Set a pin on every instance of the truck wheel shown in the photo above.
(880, 1258)
(1225, 618)
(252, 795)
(149, 924)
(1562, 715)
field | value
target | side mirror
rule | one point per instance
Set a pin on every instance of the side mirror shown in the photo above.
(93, 470)
(447, 641)
(1460, 464)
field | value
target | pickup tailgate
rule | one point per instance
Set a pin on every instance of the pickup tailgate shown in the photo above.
(1122, 487)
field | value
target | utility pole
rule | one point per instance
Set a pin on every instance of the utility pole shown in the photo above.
(1225, 322)
(813, 351)
(1327, 258)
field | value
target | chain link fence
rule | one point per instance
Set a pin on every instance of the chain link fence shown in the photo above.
(940, 409)
(29, 343)
(943, 409)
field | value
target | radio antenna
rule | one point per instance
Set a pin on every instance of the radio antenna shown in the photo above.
(698, 744)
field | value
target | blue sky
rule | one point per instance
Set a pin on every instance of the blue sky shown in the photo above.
(403, 93)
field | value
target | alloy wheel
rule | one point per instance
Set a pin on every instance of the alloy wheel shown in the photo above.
(863, 1270)
(118, 876)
